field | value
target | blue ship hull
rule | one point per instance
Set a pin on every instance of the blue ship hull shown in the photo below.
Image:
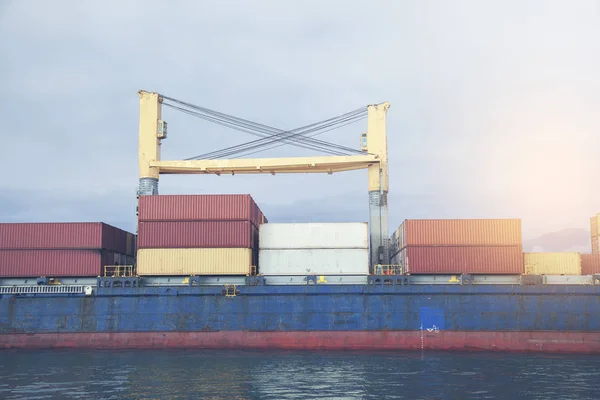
(494, 317)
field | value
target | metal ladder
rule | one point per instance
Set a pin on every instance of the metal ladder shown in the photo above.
(230, 290)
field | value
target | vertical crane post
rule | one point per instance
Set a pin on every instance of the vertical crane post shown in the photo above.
(378, 184)
(150, 137)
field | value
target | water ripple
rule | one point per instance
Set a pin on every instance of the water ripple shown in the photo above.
(197, 374)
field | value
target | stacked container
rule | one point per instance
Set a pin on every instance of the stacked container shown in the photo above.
(62, 249)
(197, 234)
(590, 264)
(314, 249)
(473, 246)
(595, 233)
(566, 263)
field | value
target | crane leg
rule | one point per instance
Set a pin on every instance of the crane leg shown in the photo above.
(378, 227)
(149, 142)
(148, 187)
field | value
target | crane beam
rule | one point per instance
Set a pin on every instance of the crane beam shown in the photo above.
(328, 164)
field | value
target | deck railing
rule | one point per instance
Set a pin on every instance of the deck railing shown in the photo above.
(118, 270)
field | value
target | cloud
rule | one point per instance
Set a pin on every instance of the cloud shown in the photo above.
(493, 105)
(574, 240)
(27, 205)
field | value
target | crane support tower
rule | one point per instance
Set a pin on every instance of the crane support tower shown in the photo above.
(153, 130)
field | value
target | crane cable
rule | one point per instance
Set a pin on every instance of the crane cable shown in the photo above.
(321, 145)
(273, 135)
(314, 134)
(256, 144)
(246, 123)
(265, 134)
(251, 132)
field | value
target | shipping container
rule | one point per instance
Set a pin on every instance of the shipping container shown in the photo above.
(220, 261)
(63, 235)
(353, 235)
(397, 259)
(590, 264)
(566, 263)
(131, 244)
(594, 225)
(56, 263)
(313, 261)
(490, 260)
(456, 232)
(114, 239)
(221, 207)
(262, 218)
(190, 234)
(396, 241)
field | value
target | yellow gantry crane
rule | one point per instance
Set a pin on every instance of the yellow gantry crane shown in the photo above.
(152, 130)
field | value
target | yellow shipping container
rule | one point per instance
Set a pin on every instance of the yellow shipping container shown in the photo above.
(594, 225)
(220, 261)
(595, 244)
(595, 233)
(552, 263)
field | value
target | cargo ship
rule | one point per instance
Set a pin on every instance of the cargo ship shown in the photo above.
(211, 271)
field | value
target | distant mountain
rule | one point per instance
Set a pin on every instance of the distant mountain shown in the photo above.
(563, 240)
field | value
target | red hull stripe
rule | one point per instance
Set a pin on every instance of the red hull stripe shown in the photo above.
(567, 342)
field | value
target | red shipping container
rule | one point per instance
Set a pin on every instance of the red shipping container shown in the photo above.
(63, 235)
(462, 259)
(457, 232)
(590, 264)
(196, 234)
(56, 263)
(213, 207)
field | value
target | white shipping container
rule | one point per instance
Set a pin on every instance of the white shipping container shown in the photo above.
(314, 261)
(350, 235)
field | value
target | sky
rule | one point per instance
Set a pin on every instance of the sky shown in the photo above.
(494, 105)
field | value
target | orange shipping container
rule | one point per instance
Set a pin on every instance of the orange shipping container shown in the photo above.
(197, 234)
(63, 235)
(457, 232)
(590, 264)
(191, 207)
(495, 260)
(56, 263)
